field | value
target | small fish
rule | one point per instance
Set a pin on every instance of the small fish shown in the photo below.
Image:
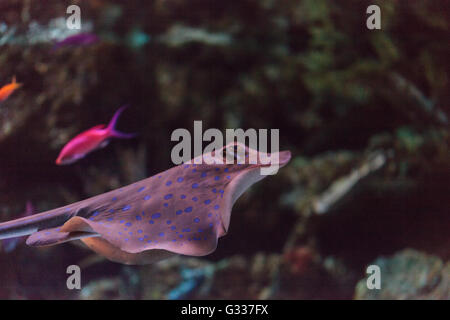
(9, 245)
(80, 39)
(8, 89)
(90, 140)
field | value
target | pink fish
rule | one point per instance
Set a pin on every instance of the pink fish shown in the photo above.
(80, 39)
(90, 140)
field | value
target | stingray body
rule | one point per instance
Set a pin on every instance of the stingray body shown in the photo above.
(183, 210)
(9, 245)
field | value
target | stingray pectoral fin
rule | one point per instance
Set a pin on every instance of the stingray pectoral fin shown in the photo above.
(117, 246)
(113, 253)
(49, 237)
(77, 224)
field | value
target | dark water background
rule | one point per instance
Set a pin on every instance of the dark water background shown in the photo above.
(339, 93)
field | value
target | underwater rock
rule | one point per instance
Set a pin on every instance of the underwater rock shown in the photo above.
(409, 274)
(179, 35)
(159, 280)
(342, 186)
(192, 278)
(55, 30)
(108, 288)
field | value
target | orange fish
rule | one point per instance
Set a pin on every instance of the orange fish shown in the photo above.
(8, 89)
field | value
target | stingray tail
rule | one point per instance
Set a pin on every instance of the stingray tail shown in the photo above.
(112, 124)
(31, 224)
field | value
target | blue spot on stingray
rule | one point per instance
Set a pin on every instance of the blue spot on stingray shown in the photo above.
(194, 199)
(149, 241)
(141, 239)
(114, 199)
(139, 231)
(196, 220)
(216, 207)
(156, 215)
(168, 196)
(111, 210)
(166, 204)
(207, 201)
(140, 189)
(161, 234)
(109, 219)
(186, 166)
(120, 233)
(179, 212)
(200, 230)
(128, 224)
(174, 240)
(188, 209)
(181, 236)
(214, 190)
(225, 170)
(203, 174)
(217, 169)
(168, 222)
(130, 233)
(195, 186)
(186, 230)
(210, 215)
(182, 196)
(173, 227)
(126, 208)
(121, 221)
(228, 177)
(96, 213)
(194, 170)
(180, 179)
(168, 183)
(211, 225)
(139, 218)
(151, 222)
(127, 239)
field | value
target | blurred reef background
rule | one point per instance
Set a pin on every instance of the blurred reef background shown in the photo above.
(364, 112)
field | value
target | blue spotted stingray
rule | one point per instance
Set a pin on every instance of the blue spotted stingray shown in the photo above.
(183, 210)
